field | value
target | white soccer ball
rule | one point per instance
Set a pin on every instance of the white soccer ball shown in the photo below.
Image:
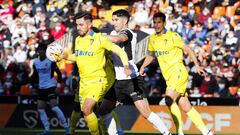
(54, 52)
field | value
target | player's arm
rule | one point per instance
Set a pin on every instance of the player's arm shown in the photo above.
(117, 38)
(149, 58)
(34, 78)
(121, 53)
(56, 69)
(69, 57)
(123, 56)
(123, 36)
(191, 54)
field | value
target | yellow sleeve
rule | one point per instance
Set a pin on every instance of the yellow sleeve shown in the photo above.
(177, 40)
(105, 43)
(150, 46)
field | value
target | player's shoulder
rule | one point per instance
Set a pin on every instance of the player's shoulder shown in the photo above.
(127, 32)
(173, 33)
(101, 37)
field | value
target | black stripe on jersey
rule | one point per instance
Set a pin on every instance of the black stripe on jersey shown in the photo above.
(127, 44)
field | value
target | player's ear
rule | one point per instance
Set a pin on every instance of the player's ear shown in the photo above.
(89, 24)
(125, 21)
(164, 24)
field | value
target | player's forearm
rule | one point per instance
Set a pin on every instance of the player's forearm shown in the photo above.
(192, 56)
(194, 59)
(116, 38)
(70, 57)
(148, 60)
(121, 54)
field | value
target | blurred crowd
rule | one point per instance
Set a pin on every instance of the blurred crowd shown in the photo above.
(210, 27)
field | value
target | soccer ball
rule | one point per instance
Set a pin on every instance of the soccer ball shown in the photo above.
(54, 52)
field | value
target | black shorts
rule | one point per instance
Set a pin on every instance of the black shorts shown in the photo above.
(132, 88)
(111, 95)
(47, 94)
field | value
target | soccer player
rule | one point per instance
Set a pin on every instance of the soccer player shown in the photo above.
(168, 47)
(127, 86)
(90, 58)
(76, 113)
(43, 75)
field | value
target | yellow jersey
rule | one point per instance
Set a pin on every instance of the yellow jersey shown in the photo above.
(168, 50)
(90, 55)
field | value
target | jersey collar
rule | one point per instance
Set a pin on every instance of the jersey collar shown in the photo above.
(164, 31)
(91, 33)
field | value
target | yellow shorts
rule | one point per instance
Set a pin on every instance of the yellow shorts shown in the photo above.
(178, 80)
(94, 89)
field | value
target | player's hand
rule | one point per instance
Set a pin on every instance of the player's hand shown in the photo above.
(201, 71)
(142, 72)
(65, 55)
(127, 70)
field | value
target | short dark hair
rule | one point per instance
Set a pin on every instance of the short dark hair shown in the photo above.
(160, 15)
(85, 15)
(122, 13)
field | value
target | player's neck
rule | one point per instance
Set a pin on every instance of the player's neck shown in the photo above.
(124, 27)
(163, 31)
(42, 58)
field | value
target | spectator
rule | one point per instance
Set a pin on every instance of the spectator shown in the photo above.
(20, 55)
(230, 41)
(188, 33)
(38, 7)
(58, 31)
(141, 16)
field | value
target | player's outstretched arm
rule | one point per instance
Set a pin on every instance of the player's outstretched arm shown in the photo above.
(69, 57)
(149, 58)
(117, 38)
(199, 69)
(122, 54)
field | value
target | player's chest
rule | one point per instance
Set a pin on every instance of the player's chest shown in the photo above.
(87, 48)
(163, 44)
(43, 67)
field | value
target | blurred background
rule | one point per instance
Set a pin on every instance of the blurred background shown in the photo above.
(211, 28)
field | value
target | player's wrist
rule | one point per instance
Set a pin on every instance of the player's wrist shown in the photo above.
(126, 66)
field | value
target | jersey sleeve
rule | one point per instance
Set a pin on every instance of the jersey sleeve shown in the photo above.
(105, 43)
(126, 33)
(150, 44)
(177, 40)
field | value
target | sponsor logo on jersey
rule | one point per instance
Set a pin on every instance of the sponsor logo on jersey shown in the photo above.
(161, 53)
(83, 53)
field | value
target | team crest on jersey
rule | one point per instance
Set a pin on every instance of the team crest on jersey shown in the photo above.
(165, 41)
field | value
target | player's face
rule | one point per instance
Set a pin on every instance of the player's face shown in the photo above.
(83, 26)
(42, 53)
(118, 22)
(158, 25)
